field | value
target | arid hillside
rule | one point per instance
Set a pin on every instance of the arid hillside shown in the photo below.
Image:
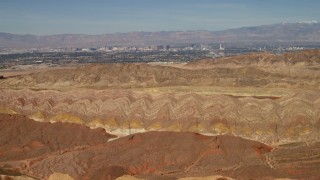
(41, 152)
(265, 97)
(267, 119)
(296, 70)
(309, 57)
(217, 118)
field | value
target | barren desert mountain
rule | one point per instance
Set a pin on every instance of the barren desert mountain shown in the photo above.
(284, 32)
(257, 70)
(267, 119)
(265, 97)
(258, 111)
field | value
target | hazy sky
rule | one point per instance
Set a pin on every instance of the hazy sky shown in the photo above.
(43, 17)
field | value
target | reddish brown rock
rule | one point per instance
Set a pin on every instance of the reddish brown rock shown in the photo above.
(22, 138)
(82, 153)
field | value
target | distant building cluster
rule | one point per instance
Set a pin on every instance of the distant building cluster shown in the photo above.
(178, 53)
(213, 49)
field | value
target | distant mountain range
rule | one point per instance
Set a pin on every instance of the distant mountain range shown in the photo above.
(283, 32)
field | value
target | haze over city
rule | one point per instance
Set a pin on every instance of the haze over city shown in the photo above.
(99, 17)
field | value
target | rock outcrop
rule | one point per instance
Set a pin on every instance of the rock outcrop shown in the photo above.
(267, 119)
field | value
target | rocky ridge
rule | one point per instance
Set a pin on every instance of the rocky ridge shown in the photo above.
(266, 97)
(286, 119)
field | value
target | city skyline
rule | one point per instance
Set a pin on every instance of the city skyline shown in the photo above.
(112, 16)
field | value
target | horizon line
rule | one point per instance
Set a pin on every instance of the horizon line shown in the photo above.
(200, 30)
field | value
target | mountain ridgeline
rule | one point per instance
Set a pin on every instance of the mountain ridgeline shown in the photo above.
(284, 32)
